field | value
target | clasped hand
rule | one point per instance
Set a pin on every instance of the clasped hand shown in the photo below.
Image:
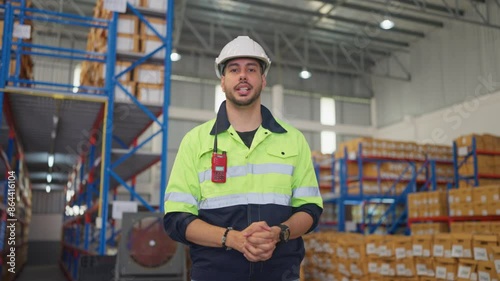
(258, 241)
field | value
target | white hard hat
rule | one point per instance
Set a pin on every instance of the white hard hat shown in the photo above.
(241, 46)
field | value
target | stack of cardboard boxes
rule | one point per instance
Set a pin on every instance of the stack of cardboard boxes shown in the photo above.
(461, 202)
(483, 200)
(146, 81)
(404, 154)
(488, 157)
(457, 256)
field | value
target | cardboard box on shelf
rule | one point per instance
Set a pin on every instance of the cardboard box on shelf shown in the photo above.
(387, 267)
(403, 247)
(426, 278)
(455, 210)
(446, 268)
(424, 266)
(483, 227)
(466, 270)
(495, 227)
(495, 257)
(457, 227)
(126, 43)
(372, 242)
(150, 93)
(128, 24)
(465, 195)
(465, 184)
(490, 142)
(454, 196)
(461, 245)
(155, 5)
(467, 209)
(422, 245)
(480, 195)
(486, 270)
(405, 268)
(492, 193)
(160, 26)
(415, 199)
(438, 211)
(149, 74)
(149, 44)
(442, 245)
(482, 246)
(497, 159)
(481, 209)
(466, 141)
(120, 95)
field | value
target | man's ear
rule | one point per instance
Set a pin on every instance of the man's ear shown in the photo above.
(264, 81)
(222, 82)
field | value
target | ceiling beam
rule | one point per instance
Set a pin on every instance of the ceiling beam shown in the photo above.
(241, 15)
(451, 13)
(400, 16)
(355, 22)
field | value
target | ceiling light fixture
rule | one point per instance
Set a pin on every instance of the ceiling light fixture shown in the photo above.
(174, 56)
(49, 178)
(305, 74)
(50, 160)
(47, 188)
(386, 24)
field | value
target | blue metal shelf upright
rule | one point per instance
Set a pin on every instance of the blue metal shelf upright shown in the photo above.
(109, 155)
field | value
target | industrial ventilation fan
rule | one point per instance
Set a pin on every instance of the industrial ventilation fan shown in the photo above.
(145, 251)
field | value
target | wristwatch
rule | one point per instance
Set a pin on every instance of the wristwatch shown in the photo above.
(284, 233)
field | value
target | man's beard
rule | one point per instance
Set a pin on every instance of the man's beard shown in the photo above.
(231, 97)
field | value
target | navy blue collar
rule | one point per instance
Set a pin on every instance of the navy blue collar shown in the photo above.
(268, 121)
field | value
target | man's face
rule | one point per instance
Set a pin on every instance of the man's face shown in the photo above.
(243, 81)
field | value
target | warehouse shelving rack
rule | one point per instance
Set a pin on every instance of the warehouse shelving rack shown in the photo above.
(14, 182)
(112, 153)
(471, 152)
(467, 152)
(416, 178)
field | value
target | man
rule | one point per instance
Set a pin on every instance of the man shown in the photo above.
(243, 190)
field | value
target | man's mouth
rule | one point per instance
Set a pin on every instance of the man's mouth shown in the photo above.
(243, 89)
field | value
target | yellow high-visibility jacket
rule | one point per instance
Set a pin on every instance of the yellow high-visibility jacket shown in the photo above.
(269, 181)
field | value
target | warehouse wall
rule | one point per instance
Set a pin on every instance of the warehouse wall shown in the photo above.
(475, 115)
(45, 227)
(449, 66)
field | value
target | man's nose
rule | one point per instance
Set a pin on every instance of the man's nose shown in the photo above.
(243, 75)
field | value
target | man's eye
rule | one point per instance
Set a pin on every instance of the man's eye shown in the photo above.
(232, 70)
(252, 70)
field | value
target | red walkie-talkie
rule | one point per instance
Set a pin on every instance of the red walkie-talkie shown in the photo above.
(219, 167)
(219, 162)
